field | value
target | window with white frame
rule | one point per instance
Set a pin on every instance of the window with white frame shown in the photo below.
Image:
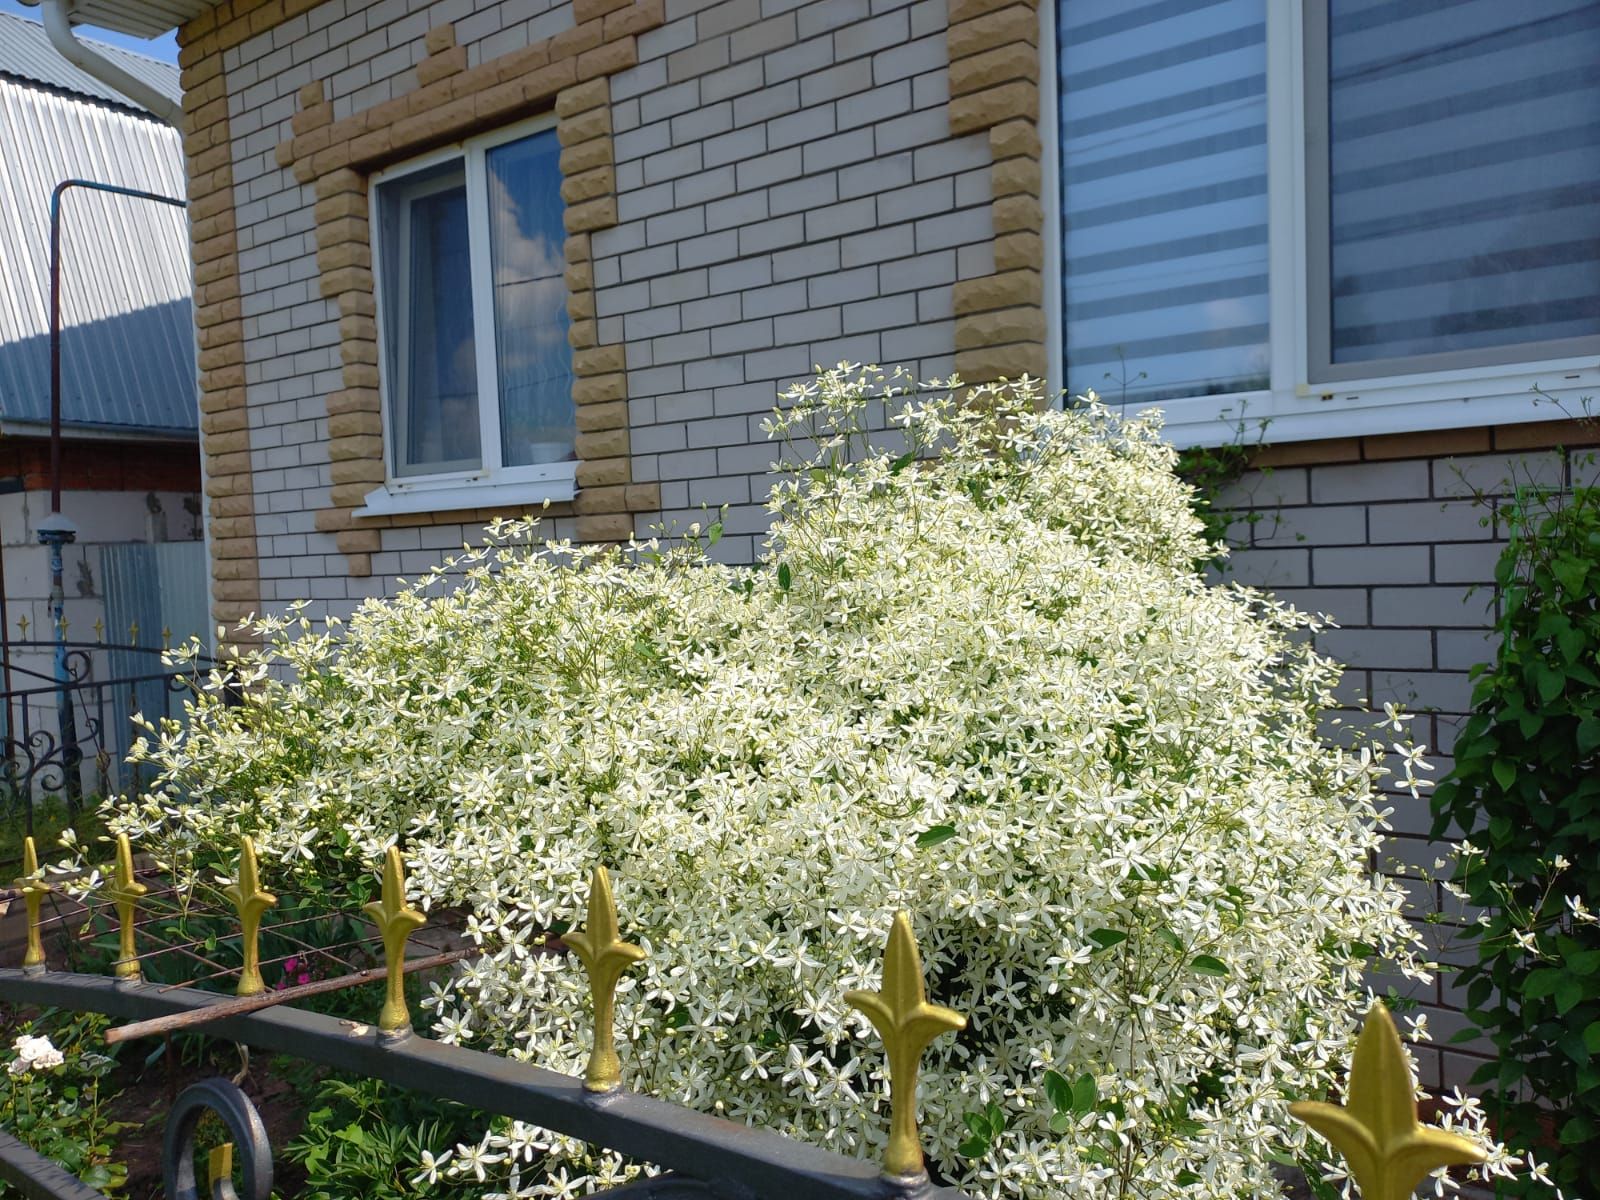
(476, 370)
(1326, 207)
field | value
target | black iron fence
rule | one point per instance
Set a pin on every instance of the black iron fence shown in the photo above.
(69, 716)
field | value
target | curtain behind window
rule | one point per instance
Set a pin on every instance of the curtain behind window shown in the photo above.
(1464, 167)
(1164, 195)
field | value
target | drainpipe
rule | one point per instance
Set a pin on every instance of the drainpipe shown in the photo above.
(58, 27)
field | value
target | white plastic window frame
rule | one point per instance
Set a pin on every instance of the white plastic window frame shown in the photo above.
(489, 484)
(1295, 408)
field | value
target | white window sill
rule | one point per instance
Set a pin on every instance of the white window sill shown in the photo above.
(396, 501)
(1418, 404)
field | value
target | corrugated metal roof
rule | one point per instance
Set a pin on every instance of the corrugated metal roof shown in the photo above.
(26, 53)
(128, 334)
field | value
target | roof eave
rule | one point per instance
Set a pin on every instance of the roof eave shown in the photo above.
(140, 18)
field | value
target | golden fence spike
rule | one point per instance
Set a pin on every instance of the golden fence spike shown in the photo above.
(33, 894)
(250, 901)
(1376, 1129)
(605, 956)
(99, 629)
(395, 920)
(125, 892)
(22, 624)
(219, 1170)
(906, 1022)
(133, 633)
(166, 637)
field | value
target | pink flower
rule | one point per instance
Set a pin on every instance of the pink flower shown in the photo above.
(289, 964)
(305, 976)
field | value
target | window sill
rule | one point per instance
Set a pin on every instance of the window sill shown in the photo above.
(1385, 406)
(384, 502)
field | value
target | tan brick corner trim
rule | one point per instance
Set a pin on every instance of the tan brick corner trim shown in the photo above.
(224, 424)
(994, 86)
(569, 72)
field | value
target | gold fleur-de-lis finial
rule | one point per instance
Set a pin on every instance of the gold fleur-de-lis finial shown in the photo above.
(1387, 1150)
(99, 629)
(395, 920)
(125, 892)
(906, 1022)
(22, 624)
(166, 637)
(33, 893)
(133, 633)
(219, 1171)
(250, 901)
(605, 956)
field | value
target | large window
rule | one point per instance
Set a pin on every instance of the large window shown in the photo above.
(476, 368)
(1318, 209)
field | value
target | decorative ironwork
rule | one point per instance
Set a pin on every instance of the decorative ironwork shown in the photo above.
(33, 893)
(605, 956)
(1376, 1129)
(125, 892)
(36, 763)
(396, 921)
(249, 1138)
(906, 1022)
(250, 901)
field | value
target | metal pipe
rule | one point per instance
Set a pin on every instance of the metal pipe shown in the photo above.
(55, 304)
(55, 531)
(57, 15)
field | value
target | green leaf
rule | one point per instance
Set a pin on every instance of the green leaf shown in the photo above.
(977, 1123)
(1206, 964)
(1569, 992)
(904, 461)
(785, 576)
(1061, 1122)
(1058, 1091)
(1107, 938)
(1084, 1094)
(1505, 772)
(934, 835)
(973, 1147)
(714, 534)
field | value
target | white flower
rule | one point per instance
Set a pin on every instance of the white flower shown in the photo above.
(34, 1054)
(992, 689)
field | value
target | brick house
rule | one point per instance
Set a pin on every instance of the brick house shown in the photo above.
(1341, 218)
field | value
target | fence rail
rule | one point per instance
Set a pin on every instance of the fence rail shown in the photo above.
(105, 686)
(702, 1156)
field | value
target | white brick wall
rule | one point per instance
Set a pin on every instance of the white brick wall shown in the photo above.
(788, 195)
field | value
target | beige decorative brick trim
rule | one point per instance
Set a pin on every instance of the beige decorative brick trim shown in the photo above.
(568, 72)
(224, 423)
(994, 86)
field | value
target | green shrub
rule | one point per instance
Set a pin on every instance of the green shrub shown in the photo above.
(977, 675)
(1526, 791)
(54, 1098)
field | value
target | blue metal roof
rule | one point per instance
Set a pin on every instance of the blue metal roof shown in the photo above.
(127, 329)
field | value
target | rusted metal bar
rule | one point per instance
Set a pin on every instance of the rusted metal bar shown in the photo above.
(240, 1005)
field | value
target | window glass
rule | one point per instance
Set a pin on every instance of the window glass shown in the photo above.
(1163, 160)
(433, 381)
(1464, 166)
(537, 423)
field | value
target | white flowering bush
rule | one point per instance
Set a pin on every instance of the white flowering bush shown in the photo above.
(978, 676)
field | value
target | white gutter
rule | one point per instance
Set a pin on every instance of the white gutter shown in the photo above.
(58, 27)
